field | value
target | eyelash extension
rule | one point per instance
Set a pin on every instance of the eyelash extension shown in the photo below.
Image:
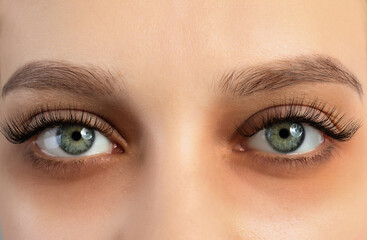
(317, 114)
(22, 127)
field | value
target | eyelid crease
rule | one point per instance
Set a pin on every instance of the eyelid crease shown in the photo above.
(317, 114)
(21, 127)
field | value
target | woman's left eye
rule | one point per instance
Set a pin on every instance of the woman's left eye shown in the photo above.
(73, 140)
(286, 138)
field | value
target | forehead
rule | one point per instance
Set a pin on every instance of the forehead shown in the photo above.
(185, 39)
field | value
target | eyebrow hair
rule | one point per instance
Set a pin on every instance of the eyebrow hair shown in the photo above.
(87, 80)
(287, 72)
(63, 76)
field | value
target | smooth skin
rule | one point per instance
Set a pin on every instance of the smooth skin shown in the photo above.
(178, 180)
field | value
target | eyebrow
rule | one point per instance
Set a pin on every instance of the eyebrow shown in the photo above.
(287, 72)
(86, 80)
(91, 80)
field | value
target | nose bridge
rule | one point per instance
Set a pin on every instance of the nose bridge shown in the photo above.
(178, 189)
(176, 198)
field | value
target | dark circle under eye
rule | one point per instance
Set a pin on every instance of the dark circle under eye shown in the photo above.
(75, 139)
(285, 137)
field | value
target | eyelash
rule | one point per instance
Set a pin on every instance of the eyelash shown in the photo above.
(20, 129)
(328, 120)
(317, 114)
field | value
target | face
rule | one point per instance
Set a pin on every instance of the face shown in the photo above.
(183, 120)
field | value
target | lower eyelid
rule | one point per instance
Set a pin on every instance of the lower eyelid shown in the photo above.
(277, 163)
(61, 168)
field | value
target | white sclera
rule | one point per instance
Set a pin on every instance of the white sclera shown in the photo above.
(313, 139)
(47, 142)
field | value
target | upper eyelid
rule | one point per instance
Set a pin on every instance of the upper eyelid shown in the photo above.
(18, 129)
(326, 119)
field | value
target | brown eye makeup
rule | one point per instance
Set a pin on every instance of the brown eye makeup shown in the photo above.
(21, 127)
(318, 114)
(64, 140)
(295, 133)
(292, 132)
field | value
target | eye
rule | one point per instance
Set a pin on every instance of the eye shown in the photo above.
(73, 140)
(286, 138)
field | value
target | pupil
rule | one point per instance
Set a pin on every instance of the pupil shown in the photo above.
(284, 133)
(76, 136)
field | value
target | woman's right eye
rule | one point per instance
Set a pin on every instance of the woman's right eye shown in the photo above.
(73, 140)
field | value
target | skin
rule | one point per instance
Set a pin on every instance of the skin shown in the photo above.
(179, 178)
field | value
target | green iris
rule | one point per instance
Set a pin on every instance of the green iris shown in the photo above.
(285, 137)
(75, 139)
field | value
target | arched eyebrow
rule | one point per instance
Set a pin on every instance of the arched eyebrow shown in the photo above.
(91, 80)
(64, 76)
(287, 72)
